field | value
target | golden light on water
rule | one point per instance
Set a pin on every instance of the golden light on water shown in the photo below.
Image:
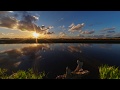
(36, 35)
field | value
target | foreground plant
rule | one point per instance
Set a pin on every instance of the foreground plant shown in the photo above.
(3, 73)
(21, 74)
(109, 72)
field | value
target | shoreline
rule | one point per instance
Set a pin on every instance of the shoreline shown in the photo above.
(12, 41)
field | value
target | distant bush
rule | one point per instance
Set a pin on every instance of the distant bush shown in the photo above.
(109, 72)
(21, 74)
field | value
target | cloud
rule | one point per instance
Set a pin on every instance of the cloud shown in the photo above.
(26, 23)
(62, 34)
(14, 58)
(49, 33)
(73, 28)
(7, 34)
(80, 35)
(63, 27)
(88, 32)
(110, 31)
(98, 36)
(8, 22)
(93, 24)
(10, 11)
(2, 33)
(116, 35)
(107, 29)
(61, 19)
(4, 12)
(30, 18)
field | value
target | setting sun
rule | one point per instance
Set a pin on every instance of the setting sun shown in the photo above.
(36, 35)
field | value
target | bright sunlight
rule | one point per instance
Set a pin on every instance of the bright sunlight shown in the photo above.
(36, 35)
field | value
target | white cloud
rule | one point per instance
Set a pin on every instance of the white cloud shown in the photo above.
(36, 17)
(71, 25)
(10, 11)
(62, 34)
(74, 28)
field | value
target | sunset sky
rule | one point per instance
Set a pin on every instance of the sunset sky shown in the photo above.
(57, 24)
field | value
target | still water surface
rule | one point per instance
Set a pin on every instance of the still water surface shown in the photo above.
(54, 58)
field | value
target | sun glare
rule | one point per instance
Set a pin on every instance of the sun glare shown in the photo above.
(36, 35)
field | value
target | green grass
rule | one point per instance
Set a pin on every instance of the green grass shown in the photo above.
(109, 72)
(21, 74)
(105, 72)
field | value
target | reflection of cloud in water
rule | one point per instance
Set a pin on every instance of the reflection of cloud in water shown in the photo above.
(4, 47)
(17, 64)
(16, 57)
(74, 49)
(85, 45)
(105, 46)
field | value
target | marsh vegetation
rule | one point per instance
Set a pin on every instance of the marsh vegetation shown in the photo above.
(21, 74)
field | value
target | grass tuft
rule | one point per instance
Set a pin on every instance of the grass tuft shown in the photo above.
(109, 72)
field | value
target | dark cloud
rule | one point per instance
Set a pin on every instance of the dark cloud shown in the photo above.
(8, 22)
(90, 25)
(93, 24)
(110, 31)
(107, 29)
(26, 23)
(49, 33)
(29, 18)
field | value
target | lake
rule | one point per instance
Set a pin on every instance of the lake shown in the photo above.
(53, 58)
